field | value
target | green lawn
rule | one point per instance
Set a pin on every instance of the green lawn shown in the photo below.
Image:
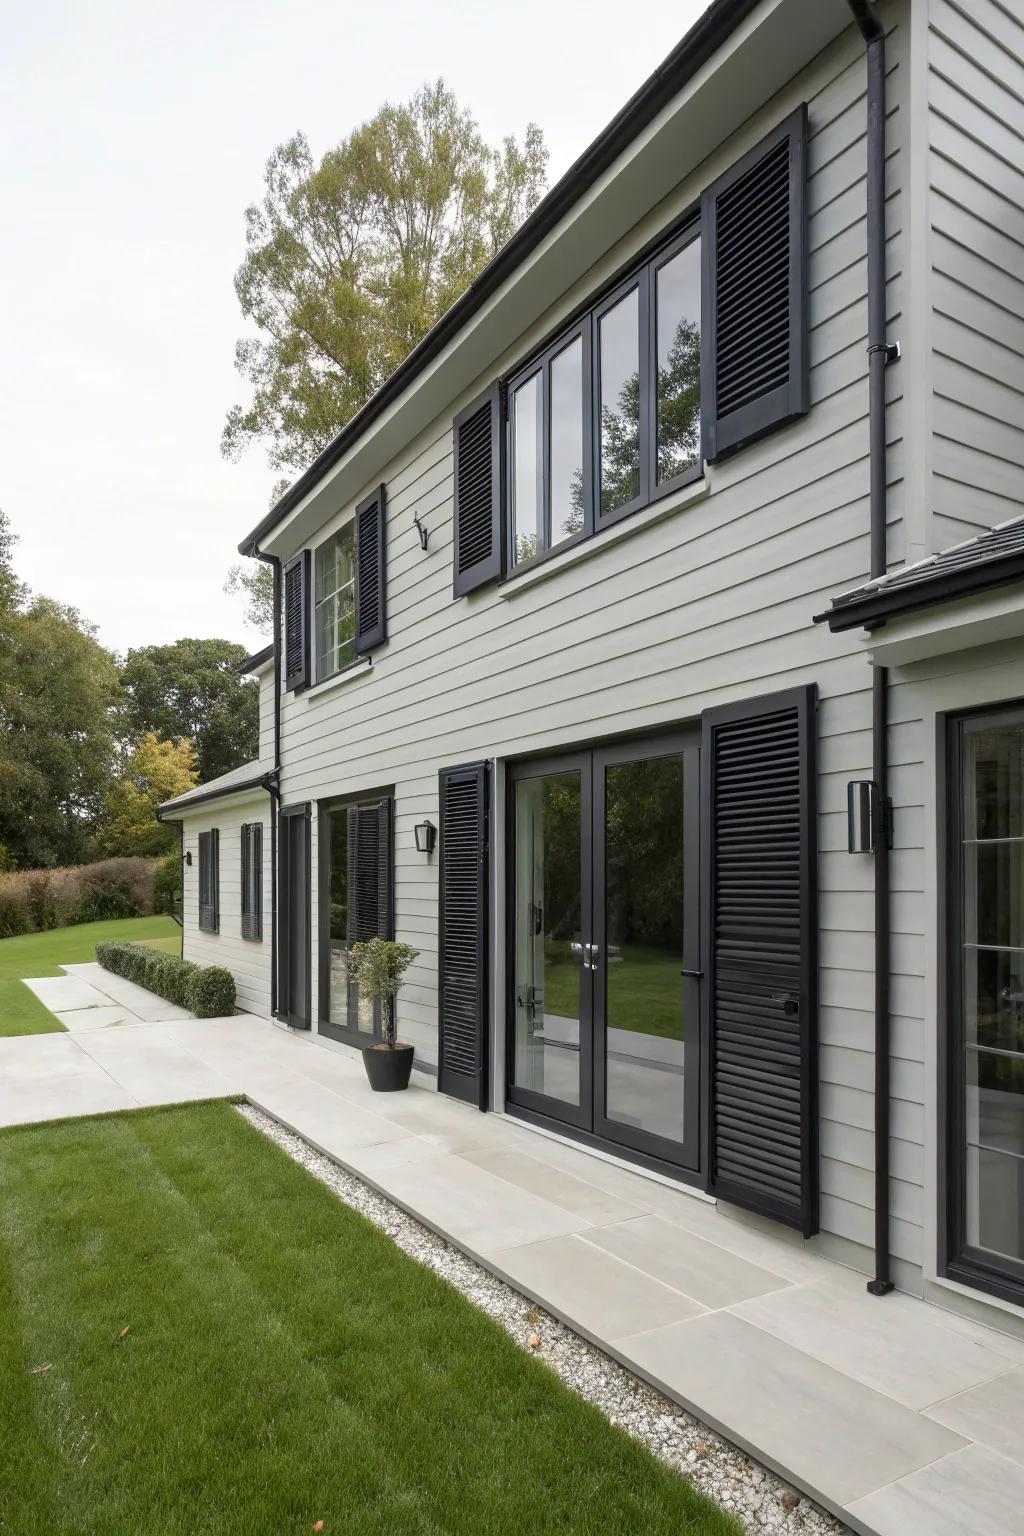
(283, 1363)
(644, 990)
(43, 954)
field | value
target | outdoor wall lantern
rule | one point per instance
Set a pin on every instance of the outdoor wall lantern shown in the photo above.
(426, 836)
(860, 815)
(188, 858)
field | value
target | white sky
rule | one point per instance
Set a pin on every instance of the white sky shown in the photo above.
(134, 135)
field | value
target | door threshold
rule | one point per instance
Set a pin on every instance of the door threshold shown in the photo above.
(626, 1164)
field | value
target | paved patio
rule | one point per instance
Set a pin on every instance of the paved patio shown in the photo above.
(902, 1419)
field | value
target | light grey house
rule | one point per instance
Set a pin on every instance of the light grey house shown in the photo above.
(628, 586)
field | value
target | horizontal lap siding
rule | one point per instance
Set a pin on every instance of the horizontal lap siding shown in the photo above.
(976, 191)
(248, 960)
(712, 602)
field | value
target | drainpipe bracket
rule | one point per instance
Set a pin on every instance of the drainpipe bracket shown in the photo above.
(890, 350)
(879, 1287)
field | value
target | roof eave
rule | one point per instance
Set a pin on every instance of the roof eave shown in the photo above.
(176, 808)
(868, 612)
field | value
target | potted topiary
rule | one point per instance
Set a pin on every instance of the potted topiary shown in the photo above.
(378, 967)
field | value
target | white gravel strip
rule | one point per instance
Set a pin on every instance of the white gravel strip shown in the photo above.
(759, 1499)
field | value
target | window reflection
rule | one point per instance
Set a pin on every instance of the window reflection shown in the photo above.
(567, 442)
(527, 491)
(620, 403)
(677, 296)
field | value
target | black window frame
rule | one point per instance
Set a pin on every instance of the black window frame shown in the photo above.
(957, 1259)
(347, 1035)
(315, 680)
(209, 880)
(251, 881)
(641, 275)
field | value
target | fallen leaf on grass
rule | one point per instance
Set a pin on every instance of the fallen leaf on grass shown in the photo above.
(318, 1525)
(125, 1332)
(534, 1341)
(40, 1370)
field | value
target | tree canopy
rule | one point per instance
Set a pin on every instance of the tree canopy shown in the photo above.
(153, 772)
(191, 690)
(350, 261)
(58, 686)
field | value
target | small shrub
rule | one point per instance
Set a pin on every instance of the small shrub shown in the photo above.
(208, 990)
(15, 917)
(211, 992)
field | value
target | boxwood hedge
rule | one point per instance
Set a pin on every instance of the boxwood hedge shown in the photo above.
(208, 991)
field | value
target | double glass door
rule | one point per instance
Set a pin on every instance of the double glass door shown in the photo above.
(605, 1001)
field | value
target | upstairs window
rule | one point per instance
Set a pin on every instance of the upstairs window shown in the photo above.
(334, 603)
(610, 415)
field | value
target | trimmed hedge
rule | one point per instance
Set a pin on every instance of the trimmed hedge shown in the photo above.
(207, 990)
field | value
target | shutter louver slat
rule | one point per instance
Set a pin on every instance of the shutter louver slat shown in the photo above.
(761, 963)
(295, 599)
(463, 931)
(755, 373)
(371, 582)
(478, 529)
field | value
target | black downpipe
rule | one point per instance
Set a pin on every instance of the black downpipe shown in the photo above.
(273, 784)
(880, 354)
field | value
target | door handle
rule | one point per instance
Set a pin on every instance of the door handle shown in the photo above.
(695, 974)
(790, 1002)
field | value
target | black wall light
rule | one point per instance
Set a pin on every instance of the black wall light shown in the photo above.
(860, 815)
(426, 836)
(188, 857)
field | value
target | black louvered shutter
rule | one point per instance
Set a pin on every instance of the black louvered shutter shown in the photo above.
(371, 573)
(463, 930)
(252, 880)
(758, 770)
(209, 881)
(754, 355)
(478, 475)
(296, 621)
(369, 871)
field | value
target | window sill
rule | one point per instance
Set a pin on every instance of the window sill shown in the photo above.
(666, 506)
(346, 675)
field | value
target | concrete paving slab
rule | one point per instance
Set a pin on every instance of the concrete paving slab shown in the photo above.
(478, 1210)
(992, 1414)
(973, 1492)
(564, 1189)
(894, 1347)
(711, 1275)
(66, 993)
(84, 1020)
(839, 1438)
(599, 1293)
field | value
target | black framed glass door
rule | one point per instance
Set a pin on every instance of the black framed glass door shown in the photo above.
(986, 1038)
(604, 1003)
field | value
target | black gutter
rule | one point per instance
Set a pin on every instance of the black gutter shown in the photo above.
(880, 354)
(274, 787)
(884, 603)
(704, 38)
(251, 663)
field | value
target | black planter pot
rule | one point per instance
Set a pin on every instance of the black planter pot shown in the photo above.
(388, 1071)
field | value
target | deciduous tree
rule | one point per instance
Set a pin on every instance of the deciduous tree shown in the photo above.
(153, 772)
(192, 691)
(351, 260)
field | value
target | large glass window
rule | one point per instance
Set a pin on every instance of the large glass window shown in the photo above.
(988, 1062)
(355, 855)
(334, 604)
(609, 415)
